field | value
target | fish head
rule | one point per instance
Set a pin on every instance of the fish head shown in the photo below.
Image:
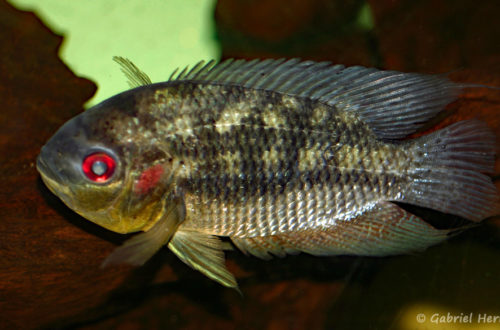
(101, 166)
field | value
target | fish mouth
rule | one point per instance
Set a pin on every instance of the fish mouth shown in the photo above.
(64, 188)
(52, 179)
(45, 169)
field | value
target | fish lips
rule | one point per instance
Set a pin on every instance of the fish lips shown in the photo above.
(60, 158)
(44, 169)
(56, 180)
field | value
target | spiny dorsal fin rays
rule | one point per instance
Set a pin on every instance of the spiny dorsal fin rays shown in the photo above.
(135, 77)
(393, 103)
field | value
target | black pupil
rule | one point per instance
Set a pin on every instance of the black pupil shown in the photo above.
(99, 167)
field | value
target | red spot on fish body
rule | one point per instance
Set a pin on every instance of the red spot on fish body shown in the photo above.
(148, 179)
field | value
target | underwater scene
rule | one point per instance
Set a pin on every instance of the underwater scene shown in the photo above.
(327, 165)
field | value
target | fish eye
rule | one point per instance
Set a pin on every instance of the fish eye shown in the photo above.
(98, 167)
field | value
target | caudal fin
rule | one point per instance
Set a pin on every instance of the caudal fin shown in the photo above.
(449, 174)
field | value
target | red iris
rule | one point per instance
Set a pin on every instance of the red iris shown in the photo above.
(99, 166)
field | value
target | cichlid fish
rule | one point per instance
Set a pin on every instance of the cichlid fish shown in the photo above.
(279, 156)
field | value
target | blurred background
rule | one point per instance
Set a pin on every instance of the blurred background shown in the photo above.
(56, 55)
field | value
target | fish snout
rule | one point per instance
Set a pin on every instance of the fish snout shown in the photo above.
(51, 169)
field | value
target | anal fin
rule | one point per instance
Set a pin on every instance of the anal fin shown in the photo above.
(385, 230)
(204, 253)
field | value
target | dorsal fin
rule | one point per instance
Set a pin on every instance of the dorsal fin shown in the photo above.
(393, 103)
(135, 77)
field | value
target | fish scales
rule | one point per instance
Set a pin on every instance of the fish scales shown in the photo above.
(279, 156)
(265, 162)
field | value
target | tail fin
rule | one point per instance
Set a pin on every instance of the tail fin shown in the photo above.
(449, 173)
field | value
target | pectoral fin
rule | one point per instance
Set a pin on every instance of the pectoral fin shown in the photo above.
(140, 248)
(204, 253)
(385, 230)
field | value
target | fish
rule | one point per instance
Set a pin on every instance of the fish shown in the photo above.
(273, 157)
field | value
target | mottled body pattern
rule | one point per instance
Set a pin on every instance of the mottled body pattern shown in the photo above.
(288, 164)
(259, 163)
